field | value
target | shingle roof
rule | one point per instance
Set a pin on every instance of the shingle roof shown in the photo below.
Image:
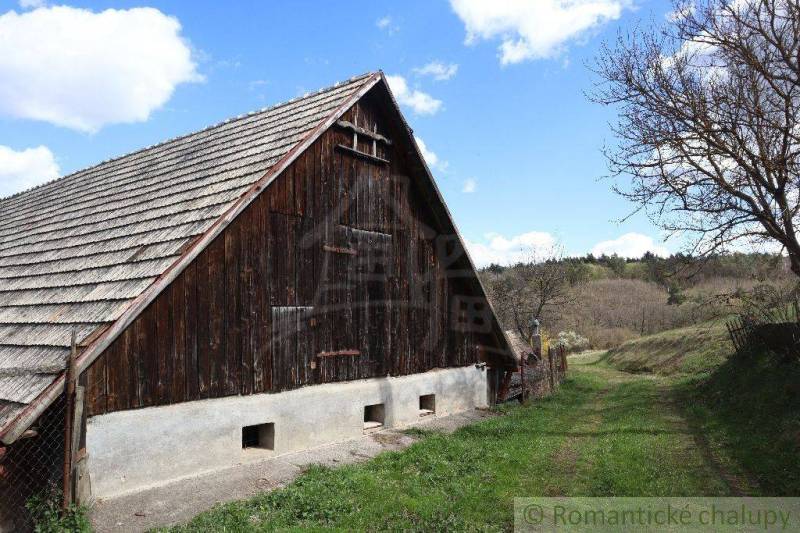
(74, 253)
(518, 344)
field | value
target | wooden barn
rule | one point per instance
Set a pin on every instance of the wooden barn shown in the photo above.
(282, 280)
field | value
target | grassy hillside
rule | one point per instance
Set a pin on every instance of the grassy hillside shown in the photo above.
(750, 408)
(610, 300)
(744, 408)
(690, 350)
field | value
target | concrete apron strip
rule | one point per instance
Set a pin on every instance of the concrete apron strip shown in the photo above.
(180, 501)
(139, 449)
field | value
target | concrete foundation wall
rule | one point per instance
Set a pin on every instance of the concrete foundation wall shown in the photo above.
(133, 450)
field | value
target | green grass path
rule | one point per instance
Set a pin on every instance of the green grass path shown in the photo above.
(606, 433)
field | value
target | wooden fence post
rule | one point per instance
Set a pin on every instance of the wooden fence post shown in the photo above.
(69, 414)
(552, 369)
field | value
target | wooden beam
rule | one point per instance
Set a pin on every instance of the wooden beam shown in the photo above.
(339, 250)
(93, 336)
(346, 125)
(69, 393)
(363, 155)
(339, 352)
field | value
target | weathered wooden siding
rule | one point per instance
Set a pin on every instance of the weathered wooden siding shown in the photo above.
(340, 270)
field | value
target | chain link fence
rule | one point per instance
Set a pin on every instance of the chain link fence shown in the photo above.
(32, 468)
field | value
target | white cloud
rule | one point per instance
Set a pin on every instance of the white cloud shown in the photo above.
(438, 70)
(24, 169)
(430, 156)
(470, 185)
(31, 4)
(508, 251)
(76, 68)
(630, 245)
(387, 24)
(681, 12)
(420, 103)
(534, 29)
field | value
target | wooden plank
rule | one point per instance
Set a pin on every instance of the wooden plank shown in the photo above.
(78, 429)
(306, 270)
(339, 250)
(93, 336)
(136, 358)
(281, 348)
(190, 307)
(292, 279)
(120, 382)
(232, 312)
(203, 317)
(299, 174)
(216, 315)
(347, 125)
(362, 155)
(96, 387)
(339, 352)
(113, 388)
(246, 296)
(179, 356)
(147, 347)
(288, 178)
(164, 347)
(278, 271)
(262, 362)
(131, 351)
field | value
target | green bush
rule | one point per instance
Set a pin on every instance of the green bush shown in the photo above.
(676, 296)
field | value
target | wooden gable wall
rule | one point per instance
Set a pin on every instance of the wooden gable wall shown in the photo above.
(337, 271)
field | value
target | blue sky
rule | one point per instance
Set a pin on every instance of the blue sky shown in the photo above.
(495, 90)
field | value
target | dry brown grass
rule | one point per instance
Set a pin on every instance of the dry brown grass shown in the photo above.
(612, 311)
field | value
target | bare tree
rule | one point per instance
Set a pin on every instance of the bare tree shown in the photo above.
(530, 290)
(708, 122)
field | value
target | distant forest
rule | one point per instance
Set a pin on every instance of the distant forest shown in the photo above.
(604, 301)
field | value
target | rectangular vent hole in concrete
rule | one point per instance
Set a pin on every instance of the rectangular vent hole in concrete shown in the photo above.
(427, 404)
(259, 436)
(373, 416)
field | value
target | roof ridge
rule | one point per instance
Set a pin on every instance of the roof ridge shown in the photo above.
(242, 116)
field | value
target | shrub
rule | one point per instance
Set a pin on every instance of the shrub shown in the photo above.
(676, 296)
(572, 341)
(45, 510)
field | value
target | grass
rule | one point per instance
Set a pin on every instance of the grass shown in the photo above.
(749, 411)
(604, 433)
(744, 409)
(692, 350)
